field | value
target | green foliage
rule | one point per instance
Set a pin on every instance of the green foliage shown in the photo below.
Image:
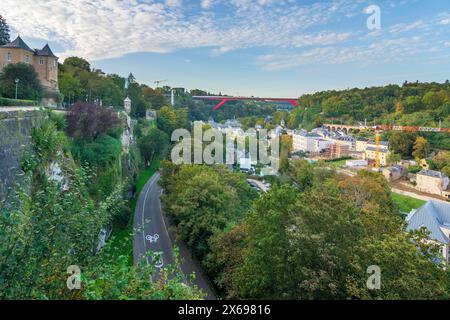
(412, 104)
(421, 148)
(29, 86)
(203, 201)
(4, 32)
(50, 227)
(103, 157)
(402, 143)
(58, 119)
(393, 158)
(77, 82)
(78, 63)
(53, 225)
(48, 140)
(139, 105)
(109, 279)
(18, 102)
(170, 119)
(103, 151)
(319, 244)
(441, 162)
(154, 97)
(153, 145)
(406, 204)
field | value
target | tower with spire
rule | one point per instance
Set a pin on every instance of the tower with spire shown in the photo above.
(43, 60)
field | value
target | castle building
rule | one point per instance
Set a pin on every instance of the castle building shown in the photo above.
(44, 61)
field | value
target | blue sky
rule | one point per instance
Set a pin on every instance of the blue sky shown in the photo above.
(277, 48)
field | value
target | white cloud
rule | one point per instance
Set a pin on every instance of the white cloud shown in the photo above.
(99, 29)
(206, 3)
(385, 51)
(406, 27)
(174, 3)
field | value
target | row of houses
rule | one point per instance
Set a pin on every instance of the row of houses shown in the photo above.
(323, 143)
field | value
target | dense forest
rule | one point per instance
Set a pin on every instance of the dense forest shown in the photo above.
(420, 104)
(312, 236)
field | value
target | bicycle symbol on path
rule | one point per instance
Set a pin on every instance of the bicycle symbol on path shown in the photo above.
(153, 238)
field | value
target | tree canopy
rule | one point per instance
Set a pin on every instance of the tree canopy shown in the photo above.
(89, 120)
(4, 32)
(29, 86)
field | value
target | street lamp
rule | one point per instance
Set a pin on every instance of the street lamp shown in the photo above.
(17, 85)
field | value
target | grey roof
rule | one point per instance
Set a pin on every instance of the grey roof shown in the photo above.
(394, 169)
(433, 215)
(432, 173)
(382, 143)
(18, 44)
(375, 149)
(45, 51)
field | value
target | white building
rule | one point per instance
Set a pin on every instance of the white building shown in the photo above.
(304, 141)
(433, 182)
(343, 140)
(384, 145)
(321, 144)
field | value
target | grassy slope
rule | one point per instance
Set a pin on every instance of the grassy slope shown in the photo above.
(405, 203)
(122, 240)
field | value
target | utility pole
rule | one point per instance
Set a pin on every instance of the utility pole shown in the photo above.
(17, 86)
(377, 151)
(172, 97)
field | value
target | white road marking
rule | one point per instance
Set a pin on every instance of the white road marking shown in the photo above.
(143, 215)
(153, 238)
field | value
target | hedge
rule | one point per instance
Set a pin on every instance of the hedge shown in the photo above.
(18, 103)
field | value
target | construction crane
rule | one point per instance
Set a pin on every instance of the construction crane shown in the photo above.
(158, 82)
(378, 145)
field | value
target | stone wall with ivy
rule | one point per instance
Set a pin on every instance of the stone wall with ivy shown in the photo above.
(15, 130)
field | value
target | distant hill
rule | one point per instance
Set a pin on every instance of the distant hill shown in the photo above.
(410, 104)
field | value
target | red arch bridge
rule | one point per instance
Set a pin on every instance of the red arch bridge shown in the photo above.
(225, 99)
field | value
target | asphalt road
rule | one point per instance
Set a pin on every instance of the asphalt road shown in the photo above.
(152, 234)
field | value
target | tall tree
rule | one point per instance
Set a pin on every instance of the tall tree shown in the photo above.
(28, 87)
(319, 244)
(402, 143)
(4, 32)
(154, 144)
(421, 148)
(77, 62)
(89, 121)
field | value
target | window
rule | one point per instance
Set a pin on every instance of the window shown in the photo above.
(9, 56)
(55, 63)
(27, 58)
(41, 60)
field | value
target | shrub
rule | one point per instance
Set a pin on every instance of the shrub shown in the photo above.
(89, 121)
(29, 85)
(18, 103)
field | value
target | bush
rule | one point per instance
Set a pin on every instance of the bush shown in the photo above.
(56, 96)
(18, 103)
(103, 152)
(29, 85)
(89, 121)
(122, 219)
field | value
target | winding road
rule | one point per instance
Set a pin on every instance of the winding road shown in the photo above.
(152, 234)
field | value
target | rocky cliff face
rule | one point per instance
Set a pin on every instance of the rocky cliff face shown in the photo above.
(15, 130)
